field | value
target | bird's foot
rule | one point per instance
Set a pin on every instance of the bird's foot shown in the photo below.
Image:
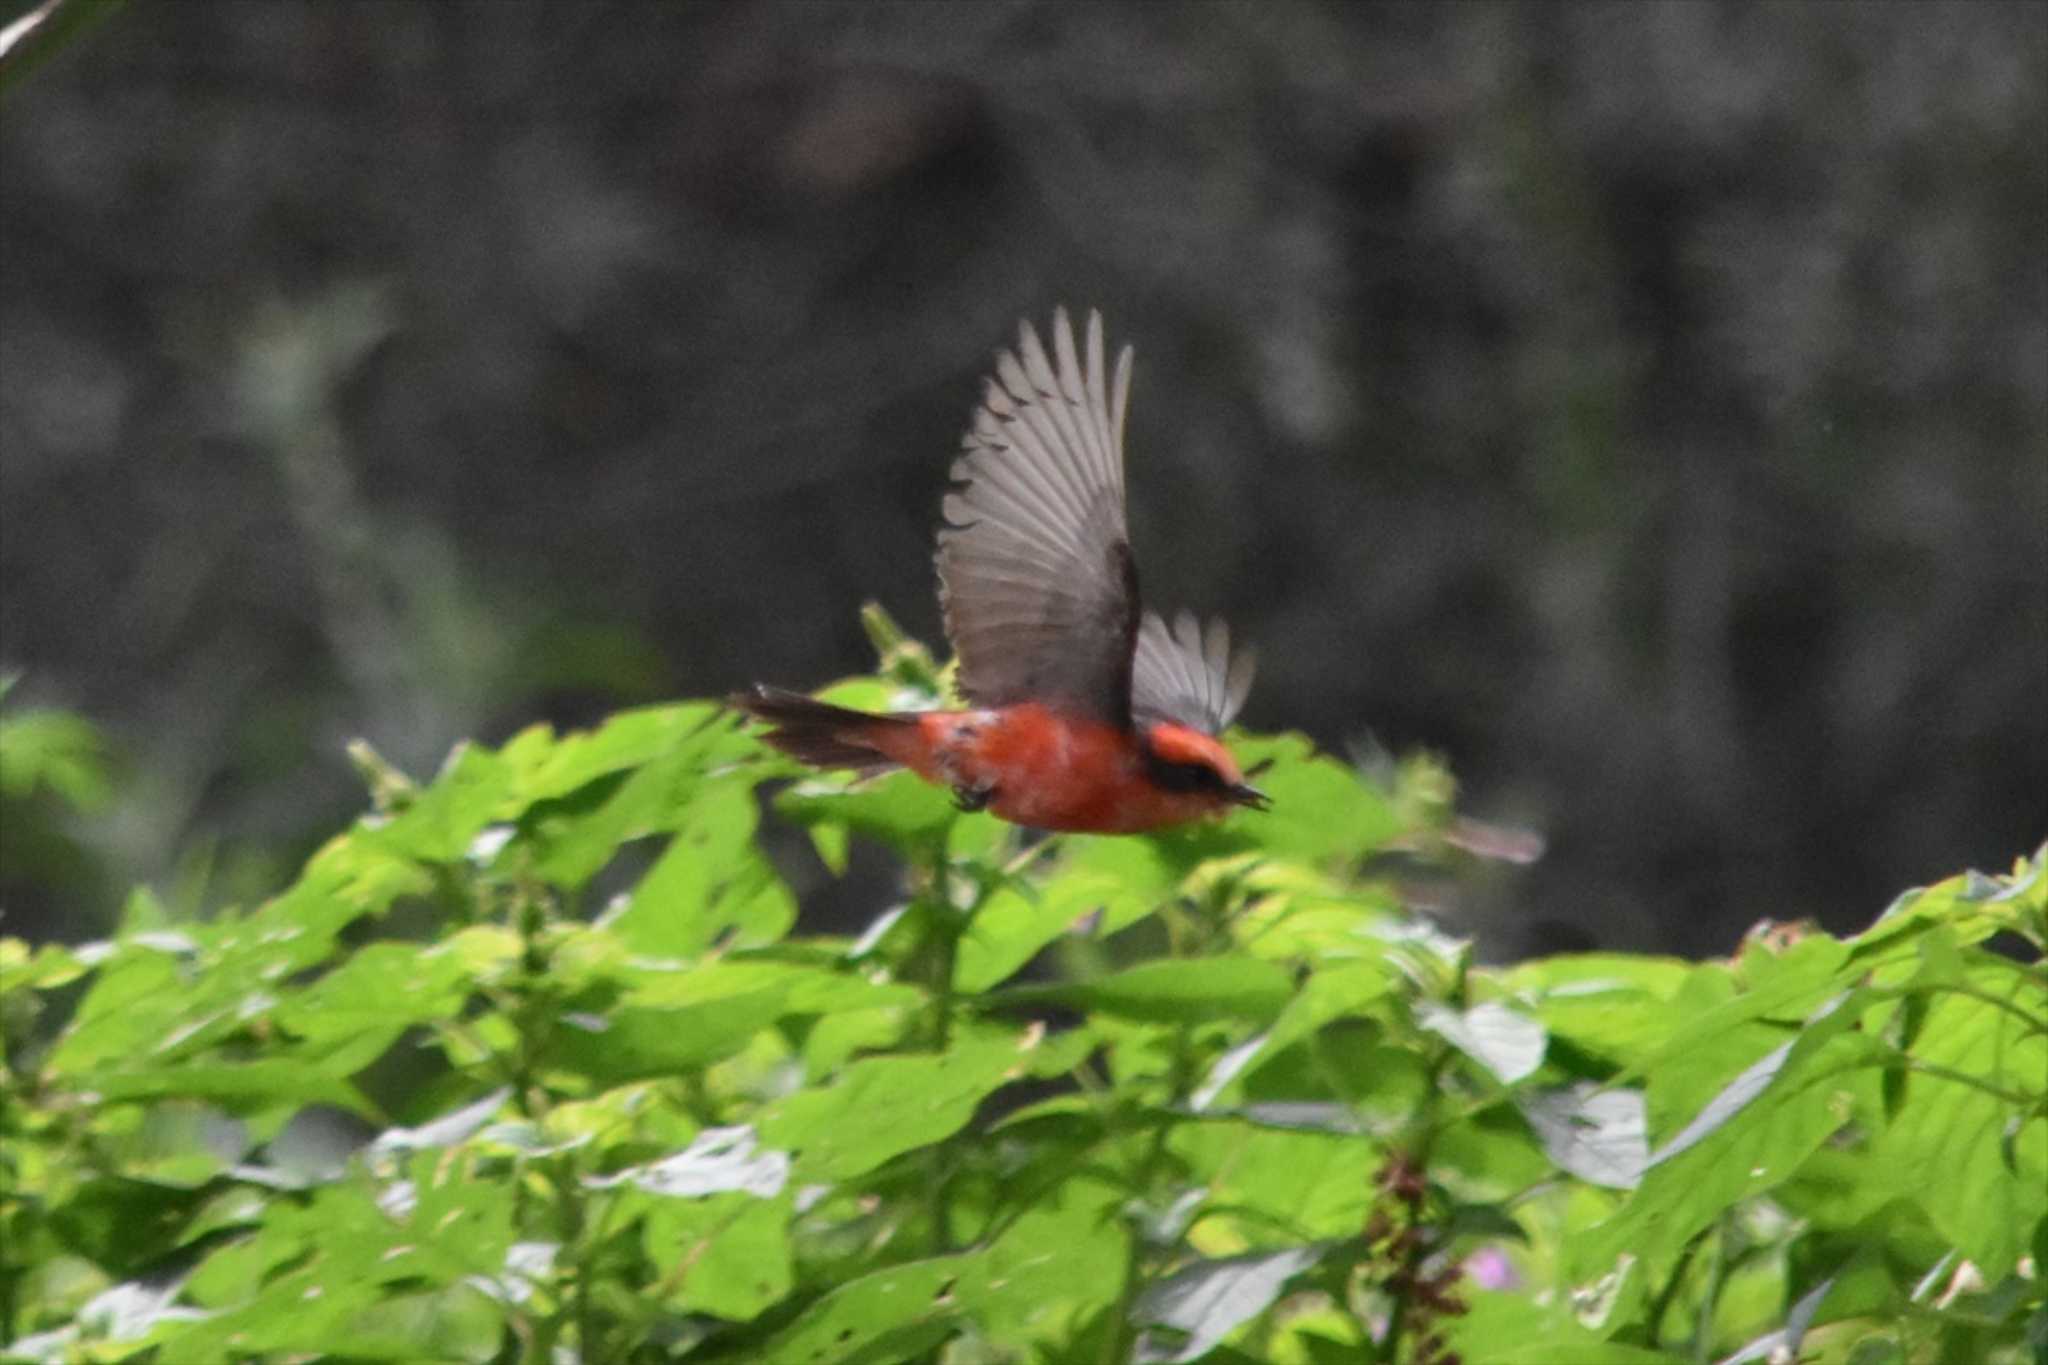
(971, 799)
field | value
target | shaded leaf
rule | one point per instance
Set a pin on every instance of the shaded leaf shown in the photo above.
(1173, 991)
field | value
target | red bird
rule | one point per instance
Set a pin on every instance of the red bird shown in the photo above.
(1090, 713)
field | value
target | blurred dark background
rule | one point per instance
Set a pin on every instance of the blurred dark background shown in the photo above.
(1643, 405)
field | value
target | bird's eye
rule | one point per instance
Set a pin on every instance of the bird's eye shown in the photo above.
(1186, 777)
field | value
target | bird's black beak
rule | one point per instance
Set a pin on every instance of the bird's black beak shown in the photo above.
(1244, 794)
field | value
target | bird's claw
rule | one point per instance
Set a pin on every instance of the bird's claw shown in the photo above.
(972, 799)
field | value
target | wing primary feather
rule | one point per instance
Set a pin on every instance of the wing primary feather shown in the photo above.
(1082, 403)
(1035, 573)
(1056, 417)
(1098, 405)
(1119, 401)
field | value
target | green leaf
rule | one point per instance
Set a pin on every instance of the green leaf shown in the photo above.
(1057, 1262)
(712, 884)
(1014, 923)
(1505, 1041)
(1716, 1003)
(1597, 1135)
(1322, 808)
(1606, 1005)
(731, 1253)
(901, 810)
(236, 1086)
(1202, 1303)
(322, 1276)
(805, 989)
(884, 1106)
(58, 750)
(137, 1000)
(1751, 1135)
(122, 1224)
(47, 967)
(383, 988)
(549, 769)
(635, 1043)
(1509, 1329)
(885, 1315)
(1977, 1164)
(1311, 1184)
(1337, 991)
(1172, 991)
(640, 775)
(440, 823)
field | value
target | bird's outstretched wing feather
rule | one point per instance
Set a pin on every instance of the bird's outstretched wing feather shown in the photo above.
(1035, 572)
(1036, 578)
(1187, 674)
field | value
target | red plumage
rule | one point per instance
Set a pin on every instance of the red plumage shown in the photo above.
(1089, 713)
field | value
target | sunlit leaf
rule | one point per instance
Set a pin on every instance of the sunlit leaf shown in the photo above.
(1597, 1135)
(1205, 1302)
(1976, 1161)
(877, 1108)
(1500, 1038)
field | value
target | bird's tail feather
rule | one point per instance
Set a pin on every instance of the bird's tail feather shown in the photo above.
(819, 733)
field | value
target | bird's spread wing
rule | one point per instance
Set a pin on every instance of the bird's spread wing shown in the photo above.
(1035, 573)
(1187, 674)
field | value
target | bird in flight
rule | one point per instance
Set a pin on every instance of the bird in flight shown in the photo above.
(1088, 712)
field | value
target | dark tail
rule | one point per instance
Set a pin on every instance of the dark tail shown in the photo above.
(819, 733)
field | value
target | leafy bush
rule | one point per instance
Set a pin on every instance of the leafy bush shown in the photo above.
(1214, 1095)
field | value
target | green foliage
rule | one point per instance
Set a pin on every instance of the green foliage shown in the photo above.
(528, 1065)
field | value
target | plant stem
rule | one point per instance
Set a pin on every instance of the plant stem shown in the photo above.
(943, 921)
